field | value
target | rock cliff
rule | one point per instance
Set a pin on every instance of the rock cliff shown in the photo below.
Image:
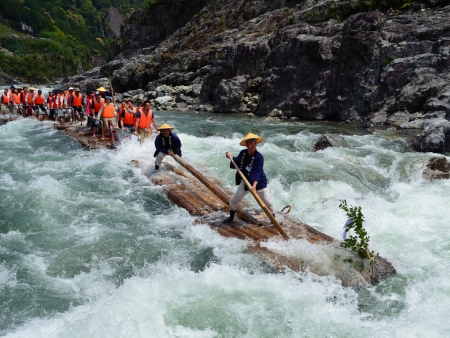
(306, 59)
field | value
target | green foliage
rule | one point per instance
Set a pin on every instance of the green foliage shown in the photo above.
(149, 4)
(42, 60)
(406, 5)
(72, 31)
(360, 242)
(387, 61)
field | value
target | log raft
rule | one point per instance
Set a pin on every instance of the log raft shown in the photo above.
(84, 135)
(252, 225)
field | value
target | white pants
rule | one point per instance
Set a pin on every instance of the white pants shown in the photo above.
(241, 193)
(159, 158)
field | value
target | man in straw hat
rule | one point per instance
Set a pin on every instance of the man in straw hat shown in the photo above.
(251, 163)
(166, 143)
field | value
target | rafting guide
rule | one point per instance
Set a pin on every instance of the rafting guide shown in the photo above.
(166, 143)
(250, 163)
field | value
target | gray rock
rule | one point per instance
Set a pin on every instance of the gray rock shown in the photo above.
(437, 168)
(435, 139)
(230, 93)
(153, 94)
(434, 122)
(276, 113)
(163, 100)
(138, 97)
(182, 98)
(399, 118)
(416, 124)
(326, 141)
(164, 90)
(196, 89)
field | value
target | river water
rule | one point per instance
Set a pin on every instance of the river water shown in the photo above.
(90, 248)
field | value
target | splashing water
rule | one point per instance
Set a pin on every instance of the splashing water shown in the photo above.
(90, 248)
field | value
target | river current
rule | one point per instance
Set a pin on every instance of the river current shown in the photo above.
(89, 247)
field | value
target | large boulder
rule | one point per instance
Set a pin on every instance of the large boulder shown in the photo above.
(437, 168)
(326, 141)
(435, 139)
(229, 94)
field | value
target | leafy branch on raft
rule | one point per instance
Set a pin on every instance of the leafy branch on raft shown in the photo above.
(359, 242)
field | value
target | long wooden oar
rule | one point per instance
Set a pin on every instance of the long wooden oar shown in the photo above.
(246, 216)
(261, 202)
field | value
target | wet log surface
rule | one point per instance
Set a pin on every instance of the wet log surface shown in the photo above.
(324, 256)
(84, 135)
(8, 117)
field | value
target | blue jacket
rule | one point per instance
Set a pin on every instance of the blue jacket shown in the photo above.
(164, 144)
(256, 173)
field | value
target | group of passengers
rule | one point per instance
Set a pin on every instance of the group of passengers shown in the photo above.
(71, 106)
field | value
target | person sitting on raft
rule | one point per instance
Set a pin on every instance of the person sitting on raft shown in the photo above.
(251, 163)
(166, 143)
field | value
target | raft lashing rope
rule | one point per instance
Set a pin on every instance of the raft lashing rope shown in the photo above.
(287, 207)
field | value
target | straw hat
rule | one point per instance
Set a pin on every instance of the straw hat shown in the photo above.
(165, 126)
(101, 89)
(251, 136)
(31, 88)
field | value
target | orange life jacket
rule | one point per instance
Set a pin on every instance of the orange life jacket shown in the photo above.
(53, 102)
(30, 98)
(40, 99)
(23, 95)
(145, 120)
(68, 98)
(17, 99)
(98, 105)
(129, 118)
(108, 111)
(77, 100)
(5, 99)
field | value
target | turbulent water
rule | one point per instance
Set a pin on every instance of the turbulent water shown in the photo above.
(90, 248)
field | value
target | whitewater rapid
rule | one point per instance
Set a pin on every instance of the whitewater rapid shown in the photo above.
(90, 248)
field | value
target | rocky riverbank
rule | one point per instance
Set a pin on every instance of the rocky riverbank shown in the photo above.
(293, 61)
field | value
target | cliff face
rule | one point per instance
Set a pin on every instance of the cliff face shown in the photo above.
(257, 56)
(148, 27)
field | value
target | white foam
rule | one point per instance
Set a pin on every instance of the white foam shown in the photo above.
(91, 229)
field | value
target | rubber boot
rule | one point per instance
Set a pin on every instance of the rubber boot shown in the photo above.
(156, 167)
(229, 219)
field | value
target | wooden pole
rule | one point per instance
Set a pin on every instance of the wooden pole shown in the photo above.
(114, 105)
(219, 193)
(261, 203)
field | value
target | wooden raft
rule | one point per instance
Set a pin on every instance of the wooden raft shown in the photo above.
(84, 135)
(186, 191)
